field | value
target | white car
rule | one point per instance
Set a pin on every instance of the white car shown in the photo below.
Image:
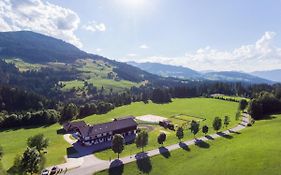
(45, 172)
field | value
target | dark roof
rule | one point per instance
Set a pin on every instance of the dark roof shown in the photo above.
(115, 125)
(72, 125)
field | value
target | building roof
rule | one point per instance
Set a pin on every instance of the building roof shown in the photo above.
(115, 125)
(72, 125)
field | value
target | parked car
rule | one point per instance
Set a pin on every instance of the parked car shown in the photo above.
(54, 170)
(45, 172)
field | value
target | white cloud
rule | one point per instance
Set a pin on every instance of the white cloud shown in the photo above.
(261, 55)
(131, 55)
(39, 16)
(93, 26)
(98, 50)
(143, 46)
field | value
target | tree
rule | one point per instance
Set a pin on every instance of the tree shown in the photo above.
(160, 96)
(237, 116)
(38, 141)
(243, 104)
(205, 129)
(142, 139)
(255, 109)
(226, 121)
(217, 123)
(194, 127)
(30, 161)
(1, 152)
(70, 111)
(118, 144)
(161, 138)
(180, 133)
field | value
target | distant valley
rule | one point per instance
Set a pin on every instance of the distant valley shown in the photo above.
(226, 76)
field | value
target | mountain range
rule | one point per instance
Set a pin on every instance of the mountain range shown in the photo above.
(226, 76)
(273, 75)
(34, 48)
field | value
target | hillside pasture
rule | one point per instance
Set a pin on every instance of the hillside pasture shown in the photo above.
(14, 140)
(254, 151)
(203, 108)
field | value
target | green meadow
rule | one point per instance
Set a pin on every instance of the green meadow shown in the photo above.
(254, 151)
(14, 140)
(206, 108)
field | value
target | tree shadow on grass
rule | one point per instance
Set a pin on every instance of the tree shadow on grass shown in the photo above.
(234, 132)
(202, 144)
(143, 163)
(184, 146)
(225, 135)
(209, 137)
(164, 152)
(116, 167)
(8, 129)
(61, 131)
(267, 117)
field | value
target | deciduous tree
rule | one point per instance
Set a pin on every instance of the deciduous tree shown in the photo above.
(38, 141)
(243, 104)
(217, 123)
(30, 161)
(161, 138)
(226, 121)
(142, 139)
(180, 133)
(205, 129)
(194, 127)
(118, 144)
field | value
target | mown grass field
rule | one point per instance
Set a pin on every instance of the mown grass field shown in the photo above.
(14, 141)
(24, 66)
(256, 151)
(96, 73)
(200, 107)
(108, 84)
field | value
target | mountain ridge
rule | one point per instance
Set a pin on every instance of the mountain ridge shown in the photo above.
(273, 75)
(187, 73)
(34, 47)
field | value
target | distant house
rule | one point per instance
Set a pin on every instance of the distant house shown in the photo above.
(167, 124)
(95, 134)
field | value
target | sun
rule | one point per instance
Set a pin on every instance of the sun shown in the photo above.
(133, 3)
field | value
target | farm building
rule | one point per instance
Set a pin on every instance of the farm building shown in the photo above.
(95, 134)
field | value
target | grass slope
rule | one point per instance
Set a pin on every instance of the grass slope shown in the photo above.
(14, 143)
(198, 107)
(255, 151)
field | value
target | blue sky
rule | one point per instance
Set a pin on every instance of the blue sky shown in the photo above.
(215, 34)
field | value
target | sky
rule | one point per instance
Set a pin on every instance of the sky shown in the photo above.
(240, 35)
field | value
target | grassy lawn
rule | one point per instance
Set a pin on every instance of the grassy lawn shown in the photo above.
(188, 118)
(14, 143)
(96, 72)
(255, 151)
(24, 66)
(117, 86)
(201, 107)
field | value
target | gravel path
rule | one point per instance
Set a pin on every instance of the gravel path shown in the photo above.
(92, 164)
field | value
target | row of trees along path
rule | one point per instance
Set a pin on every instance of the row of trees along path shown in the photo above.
(142, 141)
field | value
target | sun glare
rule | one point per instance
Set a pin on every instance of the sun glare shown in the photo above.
(133, 3)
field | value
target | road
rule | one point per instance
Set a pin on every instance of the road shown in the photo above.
(92, 164)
